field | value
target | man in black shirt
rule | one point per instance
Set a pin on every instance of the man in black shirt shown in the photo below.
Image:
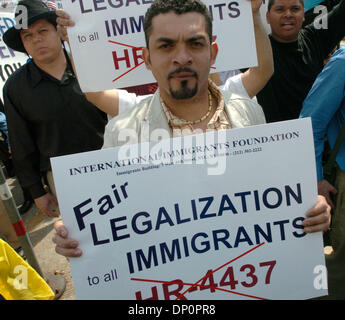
(47, 113)
(298, 55)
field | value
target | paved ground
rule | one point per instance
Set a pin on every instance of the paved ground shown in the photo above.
(41, 231)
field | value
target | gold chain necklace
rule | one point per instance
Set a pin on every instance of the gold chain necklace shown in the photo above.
(203, 117)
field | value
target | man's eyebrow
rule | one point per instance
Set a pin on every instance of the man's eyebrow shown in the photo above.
(25, 31)
(191, 39)
(197, 38)
(163, 39)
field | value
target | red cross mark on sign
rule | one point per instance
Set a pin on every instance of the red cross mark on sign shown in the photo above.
(207, 282)
(131, 56)
(136, 55)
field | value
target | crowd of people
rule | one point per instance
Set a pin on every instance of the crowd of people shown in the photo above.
(52, 116)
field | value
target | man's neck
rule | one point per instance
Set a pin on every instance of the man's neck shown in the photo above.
(55, 67)
(188, 109)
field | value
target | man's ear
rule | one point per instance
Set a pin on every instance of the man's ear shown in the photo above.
(146, 57)
(214, 52)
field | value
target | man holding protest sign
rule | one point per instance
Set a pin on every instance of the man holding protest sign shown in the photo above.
(249, 83)
(50, 116)
(299, 55)
(180, 53)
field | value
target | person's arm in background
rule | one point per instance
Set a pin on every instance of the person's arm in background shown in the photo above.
(322, 104)
(107, 100)
(255, 79)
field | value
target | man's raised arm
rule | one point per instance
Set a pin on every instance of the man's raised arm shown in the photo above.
(107, 100)
(254, 79)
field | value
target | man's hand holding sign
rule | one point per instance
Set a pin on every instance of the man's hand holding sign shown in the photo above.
(247, 221)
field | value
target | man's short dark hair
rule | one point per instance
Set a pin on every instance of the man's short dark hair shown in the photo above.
(271, 3)
(178, 7)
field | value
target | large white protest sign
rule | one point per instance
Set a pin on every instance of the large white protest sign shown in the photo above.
(10, 60)
(153, 224)
(107, 40)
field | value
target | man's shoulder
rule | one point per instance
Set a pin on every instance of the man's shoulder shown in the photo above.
(127, 124)
(340, 53)
(335, 68)
(17, 76)
(129, 116)
(236, 97)
(242, 110)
